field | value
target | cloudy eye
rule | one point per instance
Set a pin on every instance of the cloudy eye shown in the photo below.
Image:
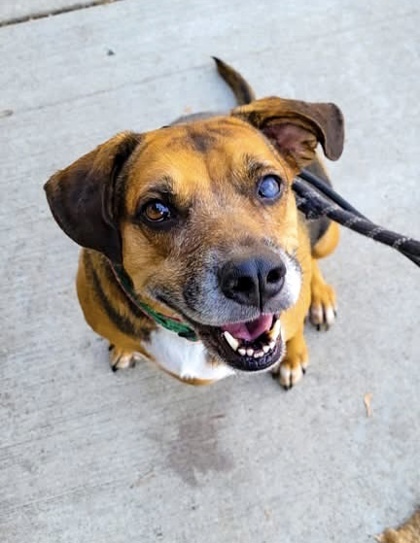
(269, 187)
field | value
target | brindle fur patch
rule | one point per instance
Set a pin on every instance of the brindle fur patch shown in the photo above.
(129, 319)
(201, 142)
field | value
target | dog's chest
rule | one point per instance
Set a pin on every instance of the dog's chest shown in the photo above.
(187, 360)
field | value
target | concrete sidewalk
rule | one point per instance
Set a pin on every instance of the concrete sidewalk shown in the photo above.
(87, 456)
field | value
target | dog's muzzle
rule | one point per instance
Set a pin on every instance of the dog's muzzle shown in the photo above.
(239, 318)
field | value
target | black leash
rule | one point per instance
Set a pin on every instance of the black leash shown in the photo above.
(316, 199)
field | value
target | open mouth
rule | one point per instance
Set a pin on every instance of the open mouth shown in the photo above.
(255, 345)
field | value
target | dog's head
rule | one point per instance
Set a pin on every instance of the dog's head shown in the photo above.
(203, 218)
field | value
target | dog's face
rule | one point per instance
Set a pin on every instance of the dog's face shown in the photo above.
(210, 231)
(203, 219)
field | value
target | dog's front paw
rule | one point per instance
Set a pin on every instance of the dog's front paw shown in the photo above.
(293, 366)
(323, 308)
(120, 359)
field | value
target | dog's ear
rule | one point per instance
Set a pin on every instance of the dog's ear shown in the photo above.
(295, 128)
(81, 196)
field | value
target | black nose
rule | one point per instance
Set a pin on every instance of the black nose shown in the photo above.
(252, 281)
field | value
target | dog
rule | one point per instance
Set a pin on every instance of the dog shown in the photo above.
(194, 254)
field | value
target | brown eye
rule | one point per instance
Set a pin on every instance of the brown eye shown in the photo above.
(156, 211)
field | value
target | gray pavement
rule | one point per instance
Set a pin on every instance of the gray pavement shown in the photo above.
(87, 456)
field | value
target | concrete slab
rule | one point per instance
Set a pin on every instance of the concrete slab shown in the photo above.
(89, 456)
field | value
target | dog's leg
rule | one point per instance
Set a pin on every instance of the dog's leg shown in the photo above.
(124, 351)
(322, 311)
(293, 366)
(323, 308)
(123, 356)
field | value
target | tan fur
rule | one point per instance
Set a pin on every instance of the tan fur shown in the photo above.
(329, 241)
(409, 532)
(211, 166)
(163, 155)
(167, 153)
(203, 179)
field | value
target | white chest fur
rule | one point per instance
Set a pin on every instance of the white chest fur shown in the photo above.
(185, 359)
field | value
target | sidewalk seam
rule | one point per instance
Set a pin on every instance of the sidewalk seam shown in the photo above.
(44, 14)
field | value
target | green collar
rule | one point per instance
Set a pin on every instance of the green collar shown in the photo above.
(173, 325)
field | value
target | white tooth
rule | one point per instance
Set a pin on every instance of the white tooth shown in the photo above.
(271, 345)
(258, 354)
(242, 351)
(275, 331)
(234, 343)
(250, 352)
(266, 348)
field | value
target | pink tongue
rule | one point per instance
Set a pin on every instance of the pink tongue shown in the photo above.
(249, 330)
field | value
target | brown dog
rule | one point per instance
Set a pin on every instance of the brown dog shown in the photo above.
(195, 255)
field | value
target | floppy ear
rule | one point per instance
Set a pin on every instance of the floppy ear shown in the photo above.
(295, 128)
(81, 196)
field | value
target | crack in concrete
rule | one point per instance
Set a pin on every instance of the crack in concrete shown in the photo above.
(59, 11)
